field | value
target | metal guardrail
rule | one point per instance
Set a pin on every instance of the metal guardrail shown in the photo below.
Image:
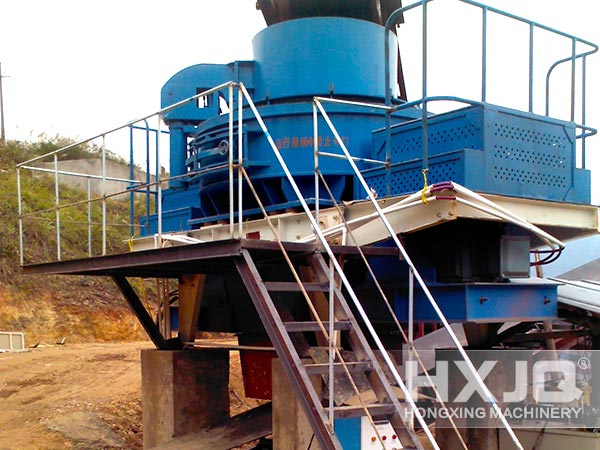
(131, 186)
(485, 10)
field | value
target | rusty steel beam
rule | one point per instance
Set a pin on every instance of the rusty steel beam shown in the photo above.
(140, 312)
(163, 262)
(172, 262)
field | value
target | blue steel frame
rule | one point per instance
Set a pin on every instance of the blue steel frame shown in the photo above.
(147, 131)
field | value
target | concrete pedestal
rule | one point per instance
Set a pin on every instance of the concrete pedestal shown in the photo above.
(291, 429)
(183, 391)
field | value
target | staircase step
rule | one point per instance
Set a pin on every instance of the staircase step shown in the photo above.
(295, 327)
(323, 368)
(292, 286)
(376, 409)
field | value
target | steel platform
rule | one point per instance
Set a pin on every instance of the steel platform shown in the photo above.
(207, 257)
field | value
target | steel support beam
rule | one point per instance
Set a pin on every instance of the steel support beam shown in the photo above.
(139, 310)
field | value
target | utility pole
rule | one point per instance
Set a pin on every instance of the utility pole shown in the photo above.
(2, 135)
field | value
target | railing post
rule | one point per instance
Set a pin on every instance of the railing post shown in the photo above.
(531, 27)
(484, 12)
(316, 151)
(573, 56)
(20, 206)
(411, 331)
(240, 161)
(103, 194)
(57, 206)
(425, 156)
(131, 183)
(388, 152)
(230, 169)
(89, 214)
(583, 108)
(148, 178)
(332, 342)
(159, 228)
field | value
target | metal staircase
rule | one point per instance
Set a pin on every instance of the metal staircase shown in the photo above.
(288, 337)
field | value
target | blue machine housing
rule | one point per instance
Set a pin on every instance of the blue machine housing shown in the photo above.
(323, 56)
(484, 147)
(487, 148)
(290, 124)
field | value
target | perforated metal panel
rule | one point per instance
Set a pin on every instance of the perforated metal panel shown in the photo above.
(447, 132)
(529, 156)
(501, 151)
(449, 137)
(408, 177)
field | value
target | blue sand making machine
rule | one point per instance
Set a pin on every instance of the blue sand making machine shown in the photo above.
(334, 223)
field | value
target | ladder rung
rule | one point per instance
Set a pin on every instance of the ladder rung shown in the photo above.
(295, 327)
(292, 286)
(323, 368)
(377, 409)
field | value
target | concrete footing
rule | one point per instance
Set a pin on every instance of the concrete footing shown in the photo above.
(183, 391)
(291, 429)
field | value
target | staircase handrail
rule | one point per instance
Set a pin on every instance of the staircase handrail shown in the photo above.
(394, 15)
(490, 397)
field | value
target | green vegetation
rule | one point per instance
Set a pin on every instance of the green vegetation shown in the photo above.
(15, 152)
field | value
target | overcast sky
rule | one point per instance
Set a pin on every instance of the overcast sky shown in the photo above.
(81, 67)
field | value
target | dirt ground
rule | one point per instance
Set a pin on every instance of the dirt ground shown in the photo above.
(51, 396)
